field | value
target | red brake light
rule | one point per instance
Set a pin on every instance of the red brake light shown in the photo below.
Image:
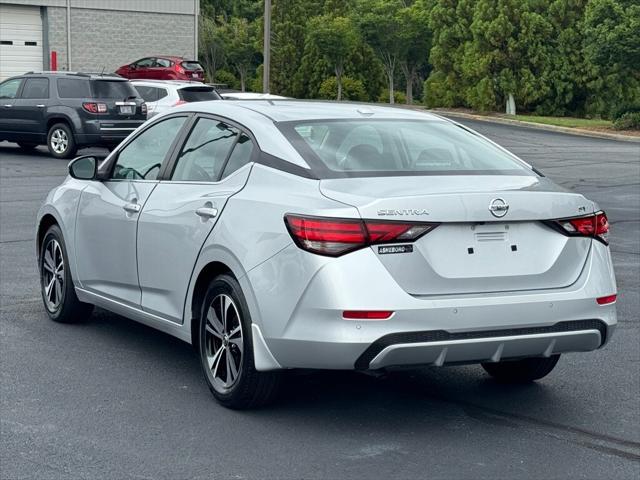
(179, 102)
(93, 107)
(366, 314)
(179, 69)
(607, 300)
(337, 236)
(595, 225)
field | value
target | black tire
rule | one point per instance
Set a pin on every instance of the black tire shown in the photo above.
(249, 388)
(61, 304)
(521, 371)
(27, 146)
(60, 141)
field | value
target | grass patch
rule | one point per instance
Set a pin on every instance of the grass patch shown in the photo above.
(564, 121)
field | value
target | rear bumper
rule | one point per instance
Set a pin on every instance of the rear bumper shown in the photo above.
(107, 132)
(301, 298)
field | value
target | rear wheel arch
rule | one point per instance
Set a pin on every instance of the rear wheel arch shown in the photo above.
(51, 121)
(207, 273)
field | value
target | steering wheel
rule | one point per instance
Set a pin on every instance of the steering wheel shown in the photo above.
(123, 172)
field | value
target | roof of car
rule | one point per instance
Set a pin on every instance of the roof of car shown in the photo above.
(172, 83)
(92, 75)
(295, 110)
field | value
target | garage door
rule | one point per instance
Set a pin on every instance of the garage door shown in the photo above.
(20, 40)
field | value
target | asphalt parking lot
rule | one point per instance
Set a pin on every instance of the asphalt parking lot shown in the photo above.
(114, 399)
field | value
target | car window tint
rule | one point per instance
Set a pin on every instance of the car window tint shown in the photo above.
(240, 156)
(162, 92)
(113, 89)
(142, 158)
(9, 89)
(73, 88)
(149, 94)
(145, 62)
(36, 88)
(198, 94)
(205, 151)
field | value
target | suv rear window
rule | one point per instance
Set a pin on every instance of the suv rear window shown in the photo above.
(191, 66)
(198, 94)
(370, 147)
(113, 89)
(73, 88)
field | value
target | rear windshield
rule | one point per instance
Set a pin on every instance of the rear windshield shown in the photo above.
(368, 147)
(198, 94)
(191, 66)
(113, 89)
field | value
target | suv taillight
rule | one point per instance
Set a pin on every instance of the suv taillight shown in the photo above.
(93, 107)
(143, 108)
(179, 102)
(596, 226)
(336, 236)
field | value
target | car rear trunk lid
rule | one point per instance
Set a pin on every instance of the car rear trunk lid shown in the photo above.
(473, 251)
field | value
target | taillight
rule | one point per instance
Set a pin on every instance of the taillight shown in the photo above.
(596, 226)
(609, 299)
(93, 107)
(180, 70)
(336, 236)
(143, 108)
(367, 314)
(179, 102)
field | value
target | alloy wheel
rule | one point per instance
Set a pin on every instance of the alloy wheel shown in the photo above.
(224, 346)
(53, 275)
(59, 141)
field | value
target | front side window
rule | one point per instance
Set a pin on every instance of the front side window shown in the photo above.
(162, 62)
(369, 147)
(142, 158)
(9, 89)
(145, 63)
(205, 152)
(36, 88)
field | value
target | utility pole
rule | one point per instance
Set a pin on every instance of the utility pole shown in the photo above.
(266, 66)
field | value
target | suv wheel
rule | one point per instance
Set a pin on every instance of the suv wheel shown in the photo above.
(521, 371)
(60, 141)
(226, 349)
(58, 294)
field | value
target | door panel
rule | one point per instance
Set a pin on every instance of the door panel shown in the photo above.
(106, 238)
(173, 226)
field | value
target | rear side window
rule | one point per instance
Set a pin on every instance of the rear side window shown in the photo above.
(151, 94)
(191, 66)
(73, 88)
(198, 94)
(142, 158)
(368, 147)
(205, 152)
(162, 62)
(113, 89)
(36, 88)
(240, 156)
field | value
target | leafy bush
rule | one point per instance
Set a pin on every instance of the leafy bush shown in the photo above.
(351, 89)
(228, 78)
(437, 91)
(398, 97)
(628, 121)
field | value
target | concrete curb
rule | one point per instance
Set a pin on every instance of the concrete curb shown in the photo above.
(552, 128)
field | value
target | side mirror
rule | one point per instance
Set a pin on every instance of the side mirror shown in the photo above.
(84, 168)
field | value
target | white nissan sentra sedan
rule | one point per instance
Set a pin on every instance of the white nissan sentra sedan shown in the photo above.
(276, 235)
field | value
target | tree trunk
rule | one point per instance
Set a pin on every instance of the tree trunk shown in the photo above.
(242, 86)
(409, 75)
(392, 99)
(511, 105)
(339, 82)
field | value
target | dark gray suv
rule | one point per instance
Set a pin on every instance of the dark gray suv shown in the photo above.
(66, 110)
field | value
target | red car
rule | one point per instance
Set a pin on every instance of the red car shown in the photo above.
(163, 68)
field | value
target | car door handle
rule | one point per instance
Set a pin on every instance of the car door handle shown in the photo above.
(207, 212)
(40, 106)
(132, 207)
(8, 106)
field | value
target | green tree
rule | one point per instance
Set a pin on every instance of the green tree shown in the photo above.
(211, 47)
(241, 46)
(334, 37)
(415, 42)
(380, 24)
